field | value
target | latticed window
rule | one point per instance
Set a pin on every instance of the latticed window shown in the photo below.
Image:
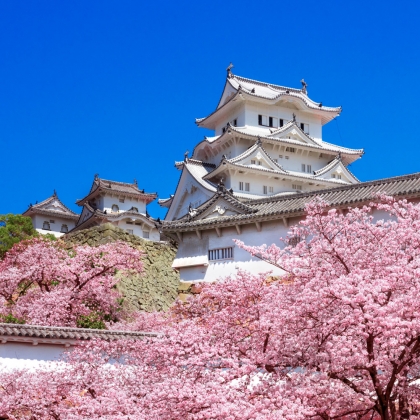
(46, 226)
(115, 208)
(221, 254)
(64, 229)
(294, 240)
(146, 234)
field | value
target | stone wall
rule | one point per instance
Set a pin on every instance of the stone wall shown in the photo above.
(157, 288)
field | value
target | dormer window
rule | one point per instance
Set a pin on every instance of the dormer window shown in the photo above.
(64, 229)
(46, 226)
(115, 208)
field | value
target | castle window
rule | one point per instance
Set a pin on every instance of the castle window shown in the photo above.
(291, 149)
(135, 209)
(247, 186)
(297, 187)
(253, 162)
(281, 122)
(273, 122)
(306, 168)
(304, 128)
(46, 226)
(271, 189)
(121, 200)
(235, 122)
(265, 189)
(221, 254)
(294, 240)
(52, 221)
(64, 229)
(241, 186)
(263, 120)
(146, 234)
(115, 208)
(275, 160)
(130, 231)
(286, 157)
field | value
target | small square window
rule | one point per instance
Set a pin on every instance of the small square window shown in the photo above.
(52, 221)
(146, 234)
(121, 200)
(252, 161)
(130, 231)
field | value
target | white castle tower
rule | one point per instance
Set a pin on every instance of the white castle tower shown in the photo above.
(251, 180)
(268, 142)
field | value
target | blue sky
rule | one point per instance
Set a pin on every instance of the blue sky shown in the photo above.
(113, 87)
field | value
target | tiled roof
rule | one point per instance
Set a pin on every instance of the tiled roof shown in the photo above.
(249, 88)
(312, 145)
(59, 210)
(13, 332)
(122, 188)
(406, 186)
(228, 196)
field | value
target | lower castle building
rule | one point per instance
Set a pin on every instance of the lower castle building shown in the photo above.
(122, 204)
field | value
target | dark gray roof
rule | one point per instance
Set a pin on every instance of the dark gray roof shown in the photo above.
(60, 333)
(406, 186)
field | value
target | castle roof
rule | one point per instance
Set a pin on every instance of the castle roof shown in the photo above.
(242, 162)
(123, 189)
(92, 217)
(277, 207)
(276, 137)
(53, 207)
(63, 335)
(248, 89)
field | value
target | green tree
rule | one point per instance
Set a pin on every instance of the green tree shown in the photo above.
(13, 229)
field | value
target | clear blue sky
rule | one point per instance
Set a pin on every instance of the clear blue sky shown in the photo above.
(113, 87)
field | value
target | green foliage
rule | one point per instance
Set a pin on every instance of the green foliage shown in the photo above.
(10, 319)
(93, 320)
(50, 237)
(13, 229)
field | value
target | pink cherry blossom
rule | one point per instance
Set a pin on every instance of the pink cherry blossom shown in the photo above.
(336, 337)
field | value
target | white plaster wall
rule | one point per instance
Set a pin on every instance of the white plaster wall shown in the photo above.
(26, 355)
(271, 232)
(192, 246)
(38, 221)
(238, 113)
(137, 230)
(107, 202)
(252, 110)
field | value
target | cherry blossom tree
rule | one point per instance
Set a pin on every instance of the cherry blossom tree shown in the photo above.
(42, 282)
(337, 336)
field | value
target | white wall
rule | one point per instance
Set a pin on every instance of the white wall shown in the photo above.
(107, 202)
(271, 232)
(138, 230)
(26, 355)
(38, 222)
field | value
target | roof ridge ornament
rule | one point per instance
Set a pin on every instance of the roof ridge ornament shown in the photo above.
(294, 117)
(229, 70)
(96, 177)
(186, 156)
(304, 86)
(135, 182)
(55, 193)
(258, 142)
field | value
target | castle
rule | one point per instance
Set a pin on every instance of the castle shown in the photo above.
(250, 181)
